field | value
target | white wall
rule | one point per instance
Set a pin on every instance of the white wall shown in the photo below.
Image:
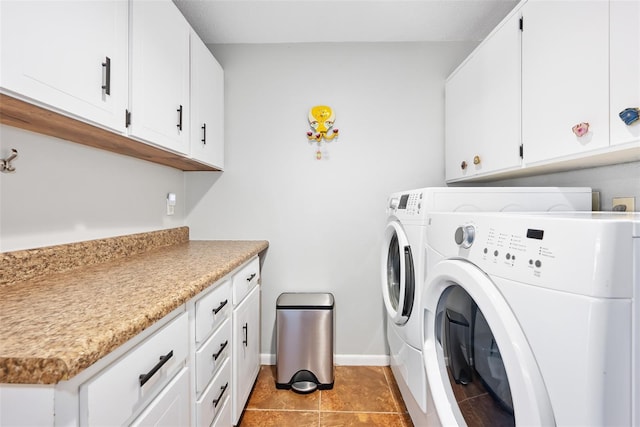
(324, 218)
(64, 192)
(621, 180)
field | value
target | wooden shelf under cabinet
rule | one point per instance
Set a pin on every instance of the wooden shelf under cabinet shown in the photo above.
(21, 114)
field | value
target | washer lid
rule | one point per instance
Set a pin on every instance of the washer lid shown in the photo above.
(305, 301)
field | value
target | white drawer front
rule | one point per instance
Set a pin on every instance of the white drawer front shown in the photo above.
(171, 407)
(224, 415)
(215, 396)
(245, 280)
(113, 396)
(212, 355)
(212, 309)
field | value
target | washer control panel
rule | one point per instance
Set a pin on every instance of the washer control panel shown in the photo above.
(540, 250)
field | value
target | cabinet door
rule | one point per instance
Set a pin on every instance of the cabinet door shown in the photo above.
(159, 75)
(246, 350)
(625, 68)
(171, 407)
(61, 53)
(483, 107)
(207, 105)
(565, 77)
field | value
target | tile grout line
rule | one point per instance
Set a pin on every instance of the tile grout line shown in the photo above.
(395, 400)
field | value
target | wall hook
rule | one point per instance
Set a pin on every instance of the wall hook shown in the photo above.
(5, 164)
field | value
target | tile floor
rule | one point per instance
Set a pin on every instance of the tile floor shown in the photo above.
(361, 396)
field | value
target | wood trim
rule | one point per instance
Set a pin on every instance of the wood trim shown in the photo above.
(17, 113)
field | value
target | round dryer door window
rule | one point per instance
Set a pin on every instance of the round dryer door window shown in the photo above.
(398, 282)
(480, 368)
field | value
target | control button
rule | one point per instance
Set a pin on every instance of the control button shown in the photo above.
(465, 235)
(485, 250)
(538, 263)
(530, 262)
(495, 253)
(508, 256)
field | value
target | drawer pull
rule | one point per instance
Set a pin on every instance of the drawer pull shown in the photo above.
(163, 359)
(222, 304)
(250, 278)
(107, 75)
(245, 328)
(222, 347)
(179, 110)
(216, 401)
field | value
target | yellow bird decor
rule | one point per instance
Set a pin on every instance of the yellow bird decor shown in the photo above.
(321, 119)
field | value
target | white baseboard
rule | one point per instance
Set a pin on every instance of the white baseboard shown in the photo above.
(341, 359)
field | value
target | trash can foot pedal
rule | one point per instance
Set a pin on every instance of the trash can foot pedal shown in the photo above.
(304, 387)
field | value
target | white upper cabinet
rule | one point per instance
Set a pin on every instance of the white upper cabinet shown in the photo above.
(565, 77)
(70, 56)
(482, 107)
(625, 68)
(159, 103)
(207, 105)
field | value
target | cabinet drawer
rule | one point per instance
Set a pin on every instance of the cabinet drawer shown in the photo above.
(215, 396)
(212, 355)
(116, 394)
(212, 309)
(171, 407)
(245, 279)
(224, 415)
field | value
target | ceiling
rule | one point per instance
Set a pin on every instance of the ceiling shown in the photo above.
(309, 21)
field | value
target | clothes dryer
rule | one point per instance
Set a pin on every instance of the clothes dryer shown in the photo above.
(532, 318)
(403, 263)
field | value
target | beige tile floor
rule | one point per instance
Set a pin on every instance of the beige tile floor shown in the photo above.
(361, 396)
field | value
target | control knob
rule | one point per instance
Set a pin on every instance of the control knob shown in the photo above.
(394, 203)
(465, 235)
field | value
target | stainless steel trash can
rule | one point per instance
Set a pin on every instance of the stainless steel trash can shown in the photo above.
(304, 341)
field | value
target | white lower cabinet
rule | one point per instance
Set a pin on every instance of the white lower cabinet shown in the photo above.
(194, 367)
(246, 350)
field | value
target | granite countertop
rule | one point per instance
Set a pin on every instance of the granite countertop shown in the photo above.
(55, 324)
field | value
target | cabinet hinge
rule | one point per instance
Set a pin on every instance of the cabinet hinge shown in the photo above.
(521, 23)
(521, 151)
(127, 118)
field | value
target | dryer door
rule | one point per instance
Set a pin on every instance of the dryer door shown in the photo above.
(398, 281)
(475, 351)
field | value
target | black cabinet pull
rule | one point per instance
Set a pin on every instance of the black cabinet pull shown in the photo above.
(179, 110)
(245, 328)
(222, 347)
(216, 401)
(163, 359)
(222, 304)
(107, 75)
(204, 134)
(250, 278)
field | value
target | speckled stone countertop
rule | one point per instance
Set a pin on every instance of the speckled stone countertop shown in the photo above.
(57, 323)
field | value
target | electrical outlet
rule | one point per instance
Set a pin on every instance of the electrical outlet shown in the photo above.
(624, 204)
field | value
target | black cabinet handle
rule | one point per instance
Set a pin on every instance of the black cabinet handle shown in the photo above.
(245, 328)
(179, 110)
(250, 278)
(216, 401)
(222, 347)
(204, 134)
(222, 304)
(107, 75)
(163, 359)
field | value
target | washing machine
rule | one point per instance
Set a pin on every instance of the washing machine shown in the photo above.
(403, 264)
(532, 318)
